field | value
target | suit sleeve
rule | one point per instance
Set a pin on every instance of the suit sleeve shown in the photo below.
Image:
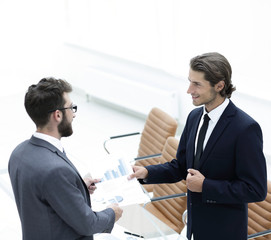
(62, 192)
(170, 172)
(250, 182)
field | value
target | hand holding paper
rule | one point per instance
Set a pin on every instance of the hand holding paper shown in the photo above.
(118, 211)
(138, 172)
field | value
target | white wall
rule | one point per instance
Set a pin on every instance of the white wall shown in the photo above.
(76, 64)
(31, 32)
(166, 34)
(150, 42)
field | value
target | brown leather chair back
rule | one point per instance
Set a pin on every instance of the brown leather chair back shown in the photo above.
(259, 215)
(158, 127)
(169, 211)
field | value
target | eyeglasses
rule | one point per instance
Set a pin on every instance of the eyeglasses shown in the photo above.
(73, 108)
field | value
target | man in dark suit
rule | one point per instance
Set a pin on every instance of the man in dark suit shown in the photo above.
(224, 167)
(52, 199)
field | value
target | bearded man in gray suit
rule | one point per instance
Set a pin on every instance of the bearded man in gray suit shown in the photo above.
(52, 199)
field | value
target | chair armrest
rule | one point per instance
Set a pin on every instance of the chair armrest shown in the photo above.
(184, 217)
(165, 198)
(148, 156)
(119, 136)
(259, 234)
(169, 197)
(125, 135)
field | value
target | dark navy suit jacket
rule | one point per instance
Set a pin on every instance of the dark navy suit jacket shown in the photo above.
(235, 174)
(52, 199)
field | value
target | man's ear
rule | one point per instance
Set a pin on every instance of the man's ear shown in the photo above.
(57, 115)
(219, 86)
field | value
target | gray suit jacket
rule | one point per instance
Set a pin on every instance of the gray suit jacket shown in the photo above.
(52, 199)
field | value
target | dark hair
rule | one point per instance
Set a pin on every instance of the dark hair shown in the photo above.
(216, 68)
(45, 96)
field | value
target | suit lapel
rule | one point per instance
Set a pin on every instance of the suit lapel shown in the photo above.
(64, 156)
(191, 153)
(218, 131)
(49, 146)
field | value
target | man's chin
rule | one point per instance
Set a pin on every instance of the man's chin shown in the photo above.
(67, 134)
(195, 103)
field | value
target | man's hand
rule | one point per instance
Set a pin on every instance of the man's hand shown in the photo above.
(139, 173)
(194, 180)
(90, 182)
(118, 211)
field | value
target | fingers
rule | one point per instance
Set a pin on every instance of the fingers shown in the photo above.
(96, 180)
(131, 176)
(192, 171)
(194, 180)
(90, 182)
(139, 173)
(118, 211)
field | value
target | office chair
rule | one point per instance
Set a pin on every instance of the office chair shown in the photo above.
(158, 127)
(259, 218)
(169, 200)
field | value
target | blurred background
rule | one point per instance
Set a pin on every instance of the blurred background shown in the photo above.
(124, 57)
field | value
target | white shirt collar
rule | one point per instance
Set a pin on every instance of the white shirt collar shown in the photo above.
(216, 113)
(54, 141)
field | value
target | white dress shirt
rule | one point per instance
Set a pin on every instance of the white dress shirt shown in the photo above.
(54, 141)
(214, 116)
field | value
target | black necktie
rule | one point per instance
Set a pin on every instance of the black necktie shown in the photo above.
(201, 138)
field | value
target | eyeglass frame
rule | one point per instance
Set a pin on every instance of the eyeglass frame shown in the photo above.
(73, 108)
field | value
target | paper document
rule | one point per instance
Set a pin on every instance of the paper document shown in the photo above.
(116, 188)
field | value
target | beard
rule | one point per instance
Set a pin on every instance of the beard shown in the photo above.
(65, 128)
